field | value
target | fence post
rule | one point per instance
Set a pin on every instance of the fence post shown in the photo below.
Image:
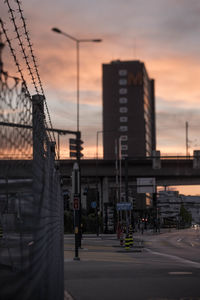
(38, 127)
(38, 169)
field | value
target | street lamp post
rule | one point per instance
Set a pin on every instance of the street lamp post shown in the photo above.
(77, 41)
(118, 172)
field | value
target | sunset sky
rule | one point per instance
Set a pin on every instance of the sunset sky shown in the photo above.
(164, 34)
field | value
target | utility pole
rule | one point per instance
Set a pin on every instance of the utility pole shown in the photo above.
(187, 140)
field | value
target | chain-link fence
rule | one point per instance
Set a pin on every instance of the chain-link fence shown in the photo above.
(31, 209)
(31, 206)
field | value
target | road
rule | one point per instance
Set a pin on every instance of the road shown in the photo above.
(167, 267)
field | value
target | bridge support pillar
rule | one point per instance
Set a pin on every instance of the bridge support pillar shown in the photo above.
(156, 163)
(105, 192)
(196, 160)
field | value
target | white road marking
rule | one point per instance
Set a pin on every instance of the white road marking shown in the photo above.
(179, 240)
(180, 273)
(182, 260)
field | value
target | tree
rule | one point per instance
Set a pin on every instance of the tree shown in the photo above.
(185, 215)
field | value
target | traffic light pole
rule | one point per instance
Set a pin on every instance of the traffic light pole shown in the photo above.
(75, 151)
(76, 204)
(126, 193)
(79, 154)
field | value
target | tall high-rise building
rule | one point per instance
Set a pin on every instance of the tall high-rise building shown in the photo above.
(128, 109)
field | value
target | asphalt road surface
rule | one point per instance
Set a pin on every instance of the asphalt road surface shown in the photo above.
(167, 267)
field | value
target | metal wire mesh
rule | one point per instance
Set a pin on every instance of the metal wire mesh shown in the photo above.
(31, 207)
(31, 247)
(15, 108)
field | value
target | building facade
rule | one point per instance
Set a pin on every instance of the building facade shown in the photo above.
(169, 206)
(128, 110)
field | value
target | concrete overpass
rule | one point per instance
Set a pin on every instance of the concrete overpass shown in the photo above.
(171, 171)
(166, 171)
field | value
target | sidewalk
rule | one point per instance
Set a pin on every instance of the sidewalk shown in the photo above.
(102, 248)
(106, 247)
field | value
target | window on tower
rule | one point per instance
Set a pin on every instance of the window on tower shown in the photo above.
(123, 128)
(123, 91)
(123, 119)
(123, 109)
(123, 81)
(122, 72)
(123, 100)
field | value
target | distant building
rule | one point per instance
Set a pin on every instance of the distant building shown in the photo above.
(192, 204)
(128, 109)
(169, 204)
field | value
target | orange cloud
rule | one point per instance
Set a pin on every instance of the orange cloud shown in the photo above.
(169, 53)
(177, 78)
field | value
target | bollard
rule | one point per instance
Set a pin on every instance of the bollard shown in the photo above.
(121, 239)
(130, 239)
(127, 246)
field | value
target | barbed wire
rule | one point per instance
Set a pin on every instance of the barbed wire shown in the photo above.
(33, 71)
(12, 50)
(30, 46)
(25, 56)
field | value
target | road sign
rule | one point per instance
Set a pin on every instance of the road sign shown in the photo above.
(146, 185)
(124, 206)
(93, 204)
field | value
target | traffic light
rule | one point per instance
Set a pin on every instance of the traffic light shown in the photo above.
(75, 146)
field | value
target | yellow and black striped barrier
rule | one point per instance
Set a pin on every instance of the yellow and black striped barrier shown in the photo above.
(127, 244)
(130, 233)
(130, 239)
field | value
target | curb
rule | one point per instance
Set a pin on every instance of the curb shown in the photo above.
(129, 251)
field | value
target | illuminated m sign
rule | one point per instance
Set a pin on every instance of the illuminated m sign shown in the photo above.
(136, 79)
